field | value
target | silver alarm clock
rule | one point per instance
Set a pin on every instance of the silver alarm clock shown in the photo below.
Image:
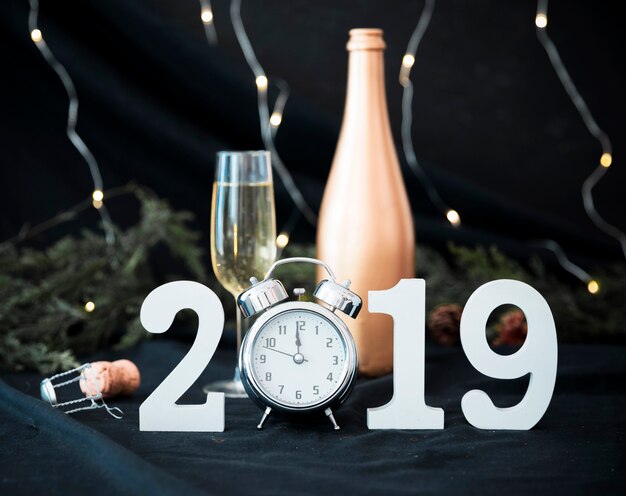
(298, 357)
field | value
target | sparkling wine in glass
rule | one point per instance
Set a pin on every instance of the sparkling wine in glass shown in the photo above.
(243, 232)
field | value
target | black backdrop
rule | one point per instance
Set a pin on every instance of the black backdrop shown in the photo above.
(493, 126)
(495, 130)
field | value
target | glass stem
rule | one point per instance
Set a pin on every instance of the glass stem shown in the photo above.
(242, 328)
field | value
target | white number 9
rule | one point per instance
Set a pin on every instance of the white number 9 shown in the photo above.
(537, 356)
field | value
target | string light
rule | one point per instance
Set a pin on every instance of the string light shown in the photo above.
(282, 240)
(27, 233)
(267, 129)
(408, 60)
(568, 265)
(261, 83)
(541, 17)
(90, 306)
(453, 217)
(276, 119)
(269, 123)
(541, 20)
(97, 195)
(35, 35)
(606, 158)
(72, 117)
(206, 15)
(407, 97)
(593, 286)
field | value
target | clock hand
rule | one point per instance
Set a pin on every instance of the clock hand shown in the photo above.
(298, 344)
(278, 351)
(283, 353)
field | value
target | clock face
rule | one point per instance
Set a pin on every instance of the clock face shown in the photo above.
(299, 358)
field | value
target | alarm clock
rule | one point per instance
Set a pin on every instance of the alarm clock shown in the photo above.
(298, 357)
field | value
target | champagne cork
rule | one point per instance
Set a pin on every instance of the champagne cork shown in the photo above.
(120, 377)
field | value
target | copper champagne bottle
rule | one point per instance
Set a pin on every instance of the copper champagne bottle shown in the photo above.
(365, 231)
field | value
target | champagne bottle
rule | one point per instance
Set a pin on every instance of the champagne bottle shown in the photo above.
(365, 231)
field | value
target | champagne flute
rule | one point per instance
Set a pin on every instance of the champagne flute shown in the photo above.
(243, 233)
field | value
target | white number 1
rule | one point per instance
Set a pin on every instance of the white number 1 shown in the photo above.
(405, 302)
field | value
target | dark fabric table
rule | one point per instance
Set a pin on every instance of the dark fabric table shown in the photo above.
(577, 448)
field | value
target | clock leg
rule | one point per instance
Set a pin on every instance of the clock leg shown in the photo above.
(329, 414)
(268, 410)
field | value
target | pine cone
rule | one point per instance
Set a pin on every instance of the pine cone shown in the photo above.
(512, 329)
(444, 323)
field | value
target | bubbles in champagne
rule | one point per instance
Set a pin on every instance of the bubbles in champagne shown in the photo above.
(243, 233)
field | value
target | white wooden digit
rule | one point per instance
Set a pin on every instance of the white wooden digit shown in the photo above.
(537, 356)
(405, 302)
(159, 412)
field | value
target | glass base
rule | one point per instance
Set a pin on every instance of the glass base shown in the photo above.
(232, 388)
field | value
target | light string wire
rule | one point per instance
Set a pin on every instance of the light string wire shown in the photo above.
(267, 133)
(206, 14)
(72, 117)
(279, 106)
(27, 232)
(407, 115)
(275, 119)
(408, 60)
(606, 159)
(593, 286)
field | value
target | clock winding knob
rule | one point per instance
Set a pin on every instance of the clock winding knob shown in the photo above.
(261, 296)
(339, 297)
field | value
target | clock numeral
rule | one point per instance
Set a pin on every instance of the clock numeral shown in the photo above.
(316, 390)
(329, 342)
(268, 376)
(263, 359)
(298, 394)
(330, 376)
(282, 329)
(300, 325)
(270, 342)
(281, 388)
(317, 330)
(335, 360)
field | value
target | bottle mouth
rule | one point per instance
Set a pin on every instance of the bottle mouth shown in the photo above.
(366, 39)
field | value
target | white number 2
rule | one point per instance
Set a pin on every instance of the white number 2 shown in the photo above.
(159, 412)
(537, 356)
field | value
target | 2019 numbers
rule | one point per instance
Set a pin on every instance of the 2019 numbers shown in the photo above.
(407, 409)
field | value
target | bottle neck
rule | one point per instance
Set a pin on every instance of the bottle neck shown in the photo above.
(365, 98)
